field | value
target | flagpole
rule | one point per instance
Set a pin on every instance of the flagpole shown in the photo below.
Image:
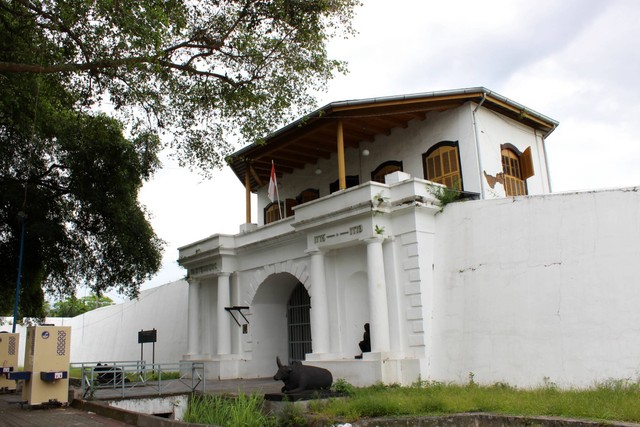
(273, 188)
(278, 197)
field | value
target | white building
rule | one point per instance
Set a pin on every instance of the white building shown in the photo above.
(517, 286)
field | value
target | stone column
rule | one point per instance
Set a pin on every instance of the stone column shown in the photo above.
(236, 331)
(224, 318)
(207, 302)
(319, 309)
(379, 314)
(193, 320)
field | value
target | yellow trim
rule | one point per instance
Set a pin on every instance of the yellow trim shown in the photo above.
(342, 179)
(247, 187)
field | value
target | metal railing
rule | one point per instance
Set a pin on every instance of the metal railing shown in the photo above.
(138, 377)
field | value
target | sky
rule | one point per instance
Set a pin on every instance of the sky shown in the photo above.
(576, 61)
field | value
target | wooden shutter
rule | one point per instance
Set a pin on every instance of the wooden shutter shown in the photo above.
(526, 164)
(443, 167)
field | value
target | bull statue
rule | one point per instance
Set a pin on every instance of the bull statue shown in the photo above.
(299, 378)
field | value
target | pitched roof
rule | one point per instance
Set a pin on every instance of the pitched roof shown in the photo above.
(313, 136)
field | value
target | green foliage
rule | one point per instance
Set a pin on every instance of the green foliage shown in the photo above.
(444, 195)
(243, 411)
(611, 400)
(196, 73)
(76, 178)
(291, 415)
(342, 386)
(166, 375)
(73, 306)
(199, 71)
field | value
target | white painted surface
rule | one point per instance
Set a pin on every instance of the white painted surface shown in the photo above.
(521, 290)
(408, 145)
(537, 289)
(175, 405)
(111, 333)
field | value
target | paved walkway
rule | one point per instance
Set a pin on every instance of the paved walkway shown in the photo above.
(232, 387)
(12, 415)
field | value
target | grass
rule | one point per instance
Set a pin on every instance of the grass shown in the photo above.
(611, 401)
(608, 401)
(243, 411)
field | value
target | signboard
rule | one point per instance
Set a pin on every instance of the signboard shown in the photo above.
(147, 336)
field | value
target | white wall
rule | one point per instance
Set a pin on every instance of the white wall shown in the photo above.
(494, 130)
(111, 333)
(535, 288)
(406, 145)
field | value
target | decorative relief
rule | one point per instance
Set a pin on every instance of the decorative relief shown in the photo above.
(351, 231)
(62, 343)
(203, 269)
(12, 346)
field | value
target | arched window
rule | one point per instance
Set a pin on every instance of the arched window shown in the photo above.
(516, 167)
(442, 165)
(385, 169)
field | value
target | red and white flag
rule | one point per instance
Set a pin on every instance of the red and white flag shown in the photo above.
(273, 185)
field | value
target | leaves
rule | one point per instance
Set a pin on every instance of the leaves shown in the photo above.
(73, 306)
(202, 73)
(190, 76)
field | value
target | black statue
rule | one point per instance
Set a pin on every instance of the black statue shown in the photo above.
(298, 378)
(365, 344)
(109, 374)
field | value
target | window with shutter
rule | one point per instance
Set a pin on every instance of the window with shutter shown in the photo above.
(442, 165)
(516, 168)
(272, 212)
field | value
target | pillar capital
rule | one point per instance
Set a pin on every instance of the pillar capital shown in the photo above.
(374, 239)
(314, 251)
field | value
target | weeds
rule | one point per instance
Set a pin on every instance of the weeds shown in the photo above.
(243, 411)
(291, 416)
(444, 195)
(342, 386)
(611, 400)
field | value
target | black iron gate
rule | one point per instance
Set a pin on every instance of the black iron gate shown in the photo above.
(299, 324)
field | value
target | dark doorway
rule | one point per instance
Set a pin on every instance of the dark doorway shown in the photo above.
(299, 323)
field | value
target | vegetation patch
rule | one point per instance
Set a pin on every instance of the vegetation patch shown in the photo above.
(606, 402)
(243, 411)
(609, 401)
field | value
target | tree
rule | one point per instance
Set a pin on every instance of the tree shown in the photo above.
(199, 71)
(74, 178)
(73, 306)
(185, 75)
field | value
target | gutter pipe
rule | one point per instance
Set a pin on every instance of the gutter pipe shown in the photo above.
(477, 138)
(544, 152)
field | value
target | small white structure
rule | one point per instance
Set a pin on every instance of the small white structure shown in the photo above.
(516, 286)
